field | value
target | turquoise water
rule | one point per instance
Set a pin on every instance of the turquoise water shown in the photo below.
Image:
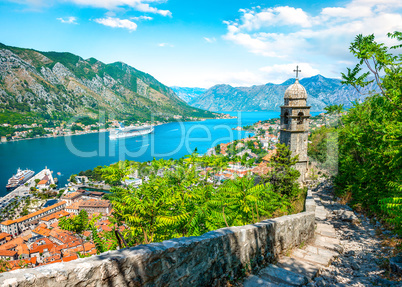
(72, 154)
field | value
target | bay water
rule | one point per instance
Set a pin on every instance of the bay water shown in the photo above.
(72, 154)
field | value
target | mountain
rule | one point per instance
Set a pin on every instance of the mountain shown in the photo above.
(188, 94)
(56, 85)
(321, 92)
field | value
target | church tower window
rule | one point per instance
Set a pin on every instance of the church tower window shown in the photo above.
(286, 118)
(300, 118)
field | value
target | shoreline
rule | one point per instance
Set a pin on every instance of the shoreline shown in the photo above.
(103, 131)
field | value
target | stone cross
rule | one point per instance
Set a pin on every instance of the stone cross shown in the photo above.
(297, 72)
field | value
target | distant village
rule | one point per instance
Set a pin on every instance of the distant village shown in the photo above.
(26, 131)
(30, 131)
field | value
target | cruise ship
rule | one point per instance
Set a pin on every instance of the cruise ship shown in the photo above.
(127, 132)
(20, 178)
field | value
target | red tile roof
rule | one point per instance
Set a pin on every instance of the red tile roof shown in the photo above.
(8, 253)
(4, 235)
(41, 248)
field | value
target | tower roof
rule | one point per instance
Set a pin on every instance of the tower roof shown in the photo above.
(296, 91)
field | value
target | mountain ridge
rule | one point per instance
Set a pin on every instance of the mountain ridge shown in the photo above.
(61, 84)
(322, 91)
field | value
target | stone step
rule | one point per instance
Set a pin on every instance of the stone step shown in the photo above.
(320, 213)
(276, 274)
(299, 266)
(321, 251)
(323, 243)
(327, 239)
(311, 257)
(256, 281)
(325, 230)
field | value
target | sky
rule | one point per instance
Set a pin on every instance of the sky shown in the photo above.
(192, 43)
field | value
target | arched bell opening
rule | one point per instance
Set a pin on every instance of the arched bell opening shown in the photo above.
(300, 118)
(286, 118)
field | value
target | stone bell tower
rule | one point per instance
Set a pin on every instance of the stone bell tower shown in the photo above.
(295, 116)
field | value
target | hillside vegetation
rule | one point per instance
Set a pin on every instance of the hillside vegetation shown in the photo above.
(178, 200)
(52, 85)
(369, 135)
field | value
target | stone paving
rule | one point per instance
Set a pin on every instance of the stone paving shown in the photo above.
(363, 258)
(346, 251)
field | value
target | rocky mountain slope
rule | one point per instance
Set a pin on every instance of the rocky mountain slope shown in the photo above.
(58, 85)
(321, 91)
(188, 94)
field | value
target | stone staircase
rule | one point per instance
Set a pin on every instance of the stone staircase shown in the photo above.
(304, 263)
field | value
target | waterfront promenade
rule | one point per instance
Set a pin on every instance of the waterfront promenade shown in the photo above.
(23, 190)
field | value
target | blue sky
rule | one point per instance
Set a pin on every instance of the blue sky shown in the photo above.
(203, 43)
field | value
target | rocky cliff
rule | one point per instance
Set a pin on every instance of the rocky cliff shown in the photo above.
(188, 94)
(54, 85)
(321, 91)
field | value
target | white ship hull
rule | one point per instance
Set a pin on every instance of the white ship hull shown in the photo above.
(130, 132)
(20, 178)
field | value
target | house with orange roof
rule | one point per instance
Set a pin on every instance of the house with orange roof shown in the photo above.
(52, 259)
(21, 224)
(52, 218)
(43, 183)
(73, 208)
(22, 263)
(70, 258)
(12, 244)
(60, 237)
(4, 237)
(10, 227)
(94, 206)
(42, 251)
(54, 225)
(72, 197)
(41, 231)
(88, 247)
(65, 248)
(8, 254)
(23, 251)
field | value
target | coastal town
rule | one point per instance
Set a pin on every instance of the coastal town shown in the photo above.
(30, 235)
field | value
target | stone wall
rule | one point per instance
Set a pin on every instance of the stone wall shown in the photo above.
(208, 260)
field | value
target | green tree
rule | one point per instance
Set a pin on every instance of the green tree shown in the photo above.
(370, 150)
(282, 175)
(81, 223)
(378, 59)
(334, 109)
(73, 178)
(242, 202)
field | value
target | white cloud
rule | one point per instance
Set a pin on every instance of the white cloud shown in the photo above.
(324, 35)
(278, 16)
(68, 20)
(210, 40)
(140, 18)
(144, 7)
(165, 45)
(139, 5)
(117, 23)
